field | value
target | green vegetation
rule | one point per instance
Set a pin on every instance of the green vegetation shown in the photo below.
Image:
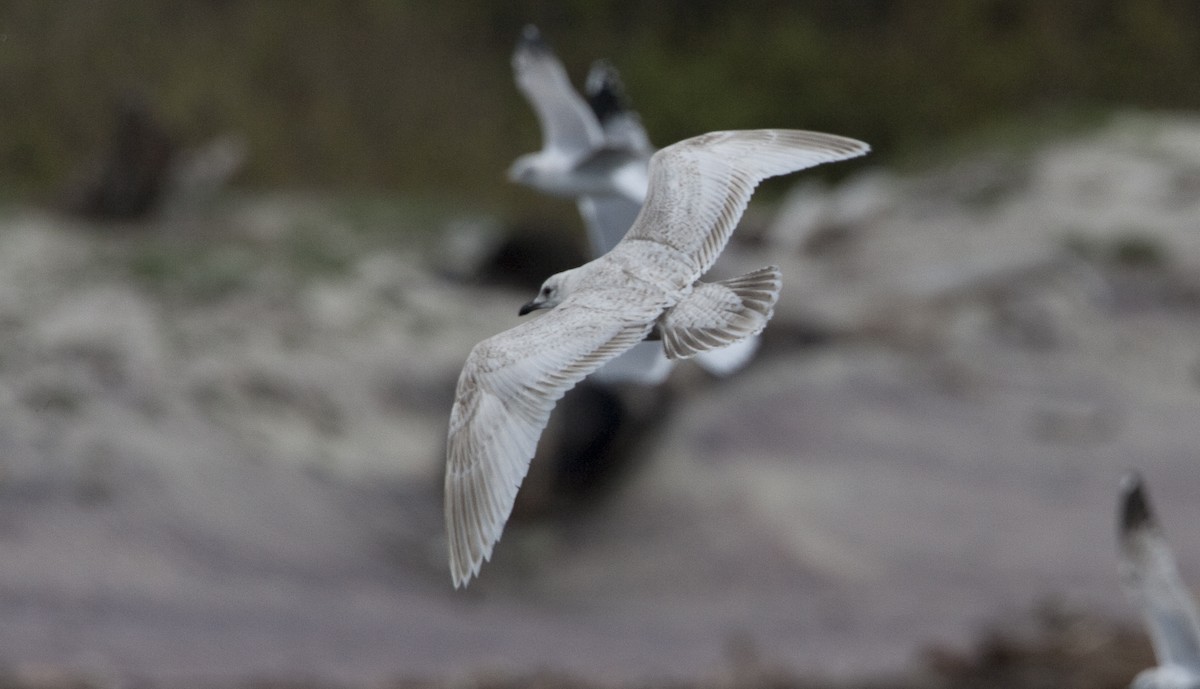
(201, 273)
(418, 97)
(288, 243)
(1132, 248)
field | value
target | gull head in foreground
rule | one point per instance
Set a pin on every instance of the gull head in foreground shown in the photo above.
(647, 285)
(1151, 578)
(552, 291)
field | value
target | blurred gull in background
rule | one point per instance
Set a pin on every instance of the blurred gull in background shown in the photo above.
(1151, 577)
(577, 158)
(146, 169)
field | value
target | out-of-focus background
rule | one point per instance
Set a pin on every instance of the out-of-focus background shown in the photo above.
(245, 248)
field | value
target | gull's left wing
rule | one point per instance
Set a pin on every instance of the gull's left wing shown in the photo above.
(505, 393)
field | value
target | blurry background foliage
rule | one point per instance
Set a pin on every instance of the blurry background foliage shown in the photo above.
(411, 97)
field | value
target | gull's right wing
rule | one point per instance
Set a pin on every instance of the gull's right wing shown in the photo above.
(700, 187)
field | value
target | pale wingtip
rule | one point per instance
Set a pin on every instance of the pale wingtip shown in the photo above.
(460, 579)
(844, 146)
(854, 148)
(462, 573)
(465, 561)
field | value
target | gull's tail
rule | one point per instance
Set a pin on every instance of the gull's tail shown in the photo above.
(718, 314)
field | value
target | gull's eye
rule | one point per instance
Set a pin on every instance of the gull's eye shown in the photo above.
(546, 291)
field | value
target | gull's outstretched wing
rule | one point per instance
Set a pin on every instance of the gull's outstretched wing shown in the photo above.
(505, 393)
(699, 187)
(568, 124)
(1151, 577)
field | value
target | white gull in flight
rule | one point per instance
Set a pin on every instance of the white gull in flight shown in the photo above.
(1151, 577)
(597, 152)
(648, 285)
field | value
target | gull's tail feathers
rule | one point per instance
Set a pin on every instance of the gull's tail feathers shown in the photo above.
(718, 314)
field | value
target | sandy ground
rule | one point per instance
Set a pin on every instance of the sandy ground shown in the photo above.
(244, 485)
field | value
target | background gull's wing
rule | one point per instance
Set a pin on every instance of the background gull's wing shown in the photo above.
(607, 98)
(505, 393)
(699, 187)
(728, 360)
(568, 124)
(643, 364)
(607, 218)
(1151, 577)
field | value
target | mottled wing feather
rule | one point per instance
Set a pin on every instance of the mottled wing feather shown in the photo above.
(699, 187)
(1151, 577)
(505, 393)
(568, 124)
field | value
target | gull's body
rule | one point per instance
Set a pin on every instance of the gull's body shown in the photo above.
(648, 283)
(597, 152)
(608, 217)
(1151, 577)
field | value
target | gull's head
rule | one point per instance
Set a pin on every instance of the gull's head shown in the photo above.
(553, 291)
